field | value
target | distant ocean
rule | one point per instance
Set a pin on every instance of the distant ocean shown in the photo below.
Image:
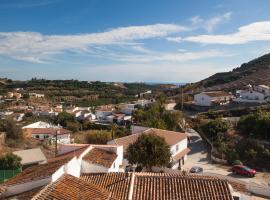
(158, 83)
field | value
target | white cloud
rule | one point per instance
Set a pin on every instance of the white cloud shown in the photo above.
(213, 22)
(210, 24)
(258, 31)
(165, 57)
(35, 47)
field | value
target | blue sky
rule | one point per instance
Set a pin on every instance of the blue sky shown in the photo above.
(130, 40)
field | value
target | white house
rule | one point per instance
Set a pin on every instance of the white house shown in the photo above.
(256, 94)
(103, 112)
(263, 89)
(176, 140)
(144, 102)
(212, 97)
(36, 95)
(127, 108)
(45, 131)
(74, 159)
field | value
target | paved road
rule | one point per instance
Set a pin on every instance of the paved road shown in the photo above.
(198, 156)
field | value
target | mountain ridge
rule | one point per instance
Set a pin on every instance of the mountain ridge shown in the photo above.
(255, 72)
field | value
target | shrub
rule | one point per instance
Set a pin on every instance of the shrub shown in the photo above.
(10, 162)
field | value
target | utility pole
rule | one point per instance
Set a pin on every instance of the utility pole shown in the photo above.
(57, 130)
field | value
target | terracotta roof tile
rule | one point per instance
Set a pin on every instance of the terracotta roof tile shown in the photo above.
(100, 157)
(163, 186)
(50, 131)
(71, 154)
(36, 172)
(72, 188)
(25, 195)
(171, 137)
(179, 187)
(116, 183)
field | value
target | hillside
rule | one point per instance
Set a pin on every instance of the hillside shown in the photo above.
(82, 93)
(255, 72)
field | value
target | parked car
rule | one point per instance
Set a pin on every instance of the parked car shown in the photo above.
(196, 170)
(243, 170)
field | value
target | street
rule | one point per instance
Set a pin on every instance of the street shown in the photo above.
(199, 156)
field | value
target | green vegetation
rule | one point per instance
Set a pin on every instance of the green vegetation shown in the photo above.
(149, 151)
(10, 162)
(244, 147)
(80, 93)
(212, 128)
(11, 129)
(256, 125)
(156, 116)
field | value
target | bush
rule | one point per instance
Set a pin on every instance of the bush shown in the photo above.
(256, 124)
(98, 137)
(212, 128)
(10, 162)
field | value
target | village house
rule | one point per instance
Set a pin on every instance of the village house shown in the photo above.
(44, 131)
(127, 109)
(103, 111)
(144, 102)
(75, 160)
(36, 95)
(253, 94)
(176, 140)
(212, 98)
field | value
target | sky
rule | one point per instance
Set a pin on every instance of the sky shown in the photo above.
(175, 41)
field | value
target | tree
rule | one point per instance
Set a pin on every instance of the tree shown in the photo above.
(212, 128)
(149, 150)
(73, 126)
(10, 161)
(12, 131)
(256, 124)
(63, 118)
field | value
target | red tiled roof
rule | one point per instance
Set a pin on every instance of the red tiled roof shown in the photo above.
(50, 131)
(116, 183)
(72, 188)
(70, 154)
(156, 186)
(171, 137)
(100, 157)
(25, 195)
(36, 172)
(180, 187)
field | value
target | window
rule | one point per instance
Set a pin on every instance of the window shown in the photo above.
(37, 136)
(113, 165)
(177, 147)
